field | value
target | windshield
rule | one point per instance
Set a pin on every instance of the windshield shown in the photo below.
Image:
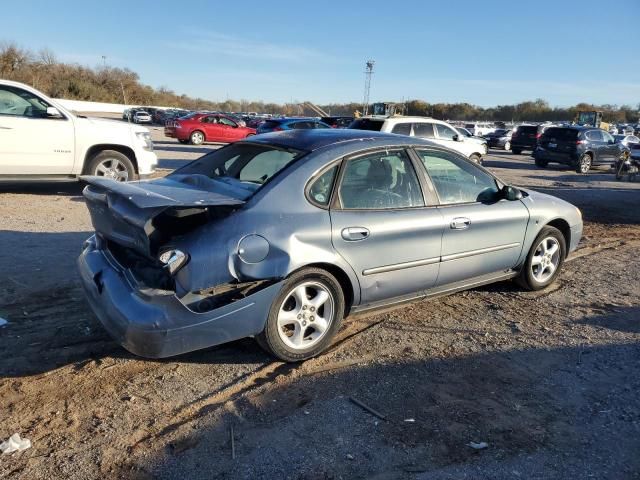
(245, 166)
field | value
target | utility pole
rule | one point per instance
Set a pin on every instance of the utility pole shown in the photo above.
(104, 61)
(367, 86)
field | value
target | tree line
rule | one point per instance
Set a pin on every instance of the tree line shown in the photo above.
(44, 71)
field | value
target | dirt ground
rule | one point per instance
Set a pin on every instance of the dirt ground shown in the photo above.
(549, 380)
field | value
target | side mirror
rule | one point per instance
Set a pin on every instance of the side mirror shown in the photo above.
(611, 142)
(456, 138)
(53, 112)
(511, 193)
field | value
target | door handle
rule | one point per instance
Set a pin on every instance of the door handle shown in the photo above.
(5, 128)
(353, 234)
(460, 223)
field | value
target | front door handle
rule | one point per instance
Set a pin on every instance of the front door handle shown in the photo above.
(353, 234)
(460, 223)
(4, 128)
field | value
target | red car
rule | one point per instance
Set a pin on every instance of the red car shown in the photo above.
(198, 128)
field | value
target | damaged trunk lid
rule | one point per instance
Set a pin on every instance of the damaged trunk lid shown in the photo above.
(145, 215)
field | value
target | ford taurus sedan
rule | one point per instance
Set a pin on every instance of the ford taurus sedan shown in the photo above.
(281, 236)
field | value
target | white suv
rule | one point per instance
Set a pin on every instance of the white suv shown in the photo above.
(429, 128)
(40, 139)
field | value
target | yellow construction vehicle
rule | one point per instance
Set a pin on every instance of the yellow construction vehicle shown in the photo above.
(591, 119)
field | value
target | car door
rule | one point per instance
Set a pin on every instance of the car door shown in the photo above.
(230, 130)
(382, 226)
(449, 138)
(610, 149)
(597, 145)
(483, 234)
(31, 142)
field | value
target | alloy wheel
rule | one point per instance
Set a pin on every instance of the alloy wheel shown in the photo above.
(112, 168)
(197, 138)
(546, 259)
(305, 315)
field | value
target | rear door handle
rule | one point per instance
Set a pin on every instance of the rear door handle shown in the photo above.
(353, 234)
(460, 223)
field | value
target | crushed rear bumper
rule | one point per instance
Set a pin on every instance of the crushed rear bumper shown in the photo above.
(156, 324)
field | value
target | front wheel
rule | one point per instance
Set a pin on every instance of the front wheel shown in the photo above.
(544, 260)
(112, 164)
(507, 145)
(304, 316)
(516, 151)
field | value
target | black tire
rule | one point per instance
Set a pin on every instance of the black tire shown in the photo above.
(108, 158)
(270, 339)
(516, 151)
(541, 163)
(474, 157)
(197, 137)
(584, 164)
(526, 278)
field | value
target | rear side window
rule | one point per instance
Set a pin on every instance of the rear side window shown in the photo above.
(367, 124)
(594, 136)
(320, 191)
(561, 134)
(402, 129)
(423, 130)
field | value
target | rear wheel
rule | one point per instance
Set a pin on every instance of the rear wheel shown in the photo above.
(541, 163)
(112, 164)
(516, 151)
(304, 316)
(584, 163)
(544, 260)
(197, 138)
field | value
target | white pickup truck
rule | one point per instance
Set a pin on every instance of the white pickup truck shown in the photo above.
(41, 140)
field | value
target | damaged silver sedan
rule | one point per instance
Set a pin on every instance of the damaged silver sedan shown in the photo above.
(281, 236)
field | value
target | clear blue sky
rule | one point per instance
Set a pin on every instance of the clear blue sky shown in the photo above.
(484, 52)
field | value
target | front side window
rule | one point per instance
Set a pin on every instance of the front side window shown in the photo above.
(320, 191)
(320, 125)
(606, 136)
(381, 180)
(227, 122)
(456, 180)
(20, 103)
(444, 132)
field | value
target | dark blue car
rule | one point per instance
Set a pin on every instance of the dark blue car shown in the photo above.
(281, 124)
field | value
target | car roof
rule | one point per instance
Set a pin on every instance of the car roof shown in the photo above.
(313, 139)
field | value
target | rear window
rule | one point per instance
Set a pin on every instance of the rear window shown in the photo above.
(527, 129)
(561, 134)
(270, 124)
(242, 166)
(367, 124)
